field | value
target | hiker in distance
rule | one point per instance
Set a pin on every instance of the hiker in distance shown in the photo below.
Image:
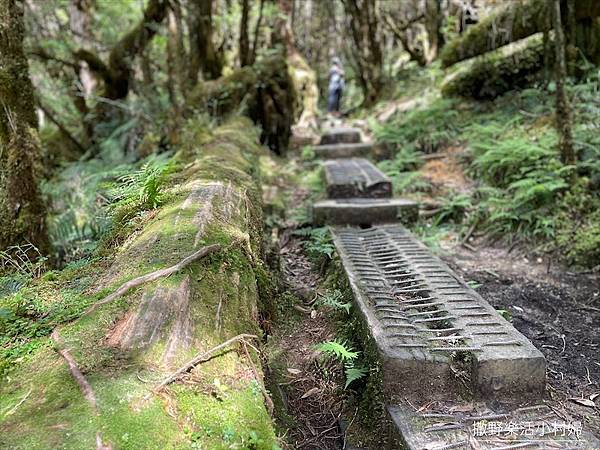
(336, 87)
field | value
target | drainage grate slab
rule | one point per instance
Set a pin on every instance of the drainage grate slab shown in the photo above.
(432, 331)
(355, 178)
(341, 135)
(466, 426)
(364, 211)
(362, 149)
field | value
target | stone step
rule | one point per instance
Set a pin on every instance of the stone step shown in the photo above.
(355, 178)
(339, 135)
(436, 337)
(364, 211)
(332, 151)
(465, 426)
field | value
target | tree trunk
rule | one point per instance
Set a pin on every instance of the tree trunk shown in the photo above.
(433, 25)
(117, 74)
(368, 55)
(203, 54)
(244, 39)
(22, 210)
(264, 92)
(175, 56)
(563, 108)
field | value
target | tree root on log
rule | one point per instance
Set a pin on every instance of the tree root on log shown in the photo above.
(204, 251)
(84, 385)
(206, 356)
(198, 359)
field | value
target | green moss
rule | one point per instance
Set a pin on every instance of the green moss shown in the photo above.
(224, 301)
(495, 73)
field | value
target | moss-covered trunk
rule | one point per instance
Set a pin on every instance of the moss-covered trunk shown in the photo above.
(512, 67)
(510, 23)
(264, 92)
(22, 210)
(126, 347)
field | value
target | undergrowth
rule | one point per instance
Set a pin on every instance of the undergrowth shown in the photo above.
(521, 188)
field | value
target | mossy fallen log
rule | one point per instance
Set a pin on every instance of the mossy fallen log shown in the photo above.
(125, 347)
(511, 22)
(491, 75)
(264, 92)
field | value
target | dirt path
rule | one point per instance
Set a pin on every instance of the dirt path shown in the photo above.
(306, 388)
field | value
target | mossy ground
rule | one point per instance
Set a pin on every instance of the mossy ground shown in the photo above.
(221, 405)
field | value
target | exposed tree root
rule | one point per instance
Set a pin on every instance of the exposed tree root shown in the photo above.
(204, 251)
(198, 359)
(84, 386)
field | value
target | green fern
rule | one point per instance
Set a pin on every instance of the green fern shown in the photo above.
(338, 350)
(355, 373)
(334, 300)
(319, 242)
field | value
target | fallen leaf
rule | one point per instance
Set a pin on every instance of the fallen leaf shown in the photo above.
(594, 396)
(313, 314)
(310, 392)
(583, 401)
(294, 371)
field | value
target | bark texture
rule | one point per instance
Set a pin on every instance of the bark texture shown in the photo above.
(204, 56)
(22, 210)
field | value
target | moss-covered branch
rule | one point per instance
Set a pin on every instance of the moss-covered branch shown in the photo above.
(499, 71)
(510, 23)
(116, 74)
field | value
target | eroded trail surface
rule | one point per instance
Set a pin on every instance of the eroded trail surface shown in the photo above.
(305, 386)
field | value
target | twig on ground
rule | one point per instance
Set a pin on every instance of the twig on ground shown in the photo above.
(198, 359)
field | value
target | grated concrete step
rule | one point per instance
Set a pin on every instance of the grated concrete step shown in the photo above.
(364, 211)
(355, 178)
(339, 135)
(465, 426)
(434, 334)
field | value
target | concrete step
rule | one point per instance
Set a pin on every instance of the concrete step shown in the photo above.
(436, 337)
(332, 151)
(355, 178)
(466, 425)
(339, 135)
(364, 211)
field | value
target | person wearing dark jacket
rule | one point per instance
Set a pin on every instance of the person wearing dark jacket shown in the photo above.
(336, 87)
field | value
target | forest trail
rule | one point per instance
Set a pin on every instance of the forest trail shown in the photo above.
(454, 372)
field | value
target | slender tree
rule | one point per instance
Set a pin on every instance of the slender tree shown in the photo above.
(204, 56)
(244, 38)
(563, 108)
(22, 210)
(368, 54)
